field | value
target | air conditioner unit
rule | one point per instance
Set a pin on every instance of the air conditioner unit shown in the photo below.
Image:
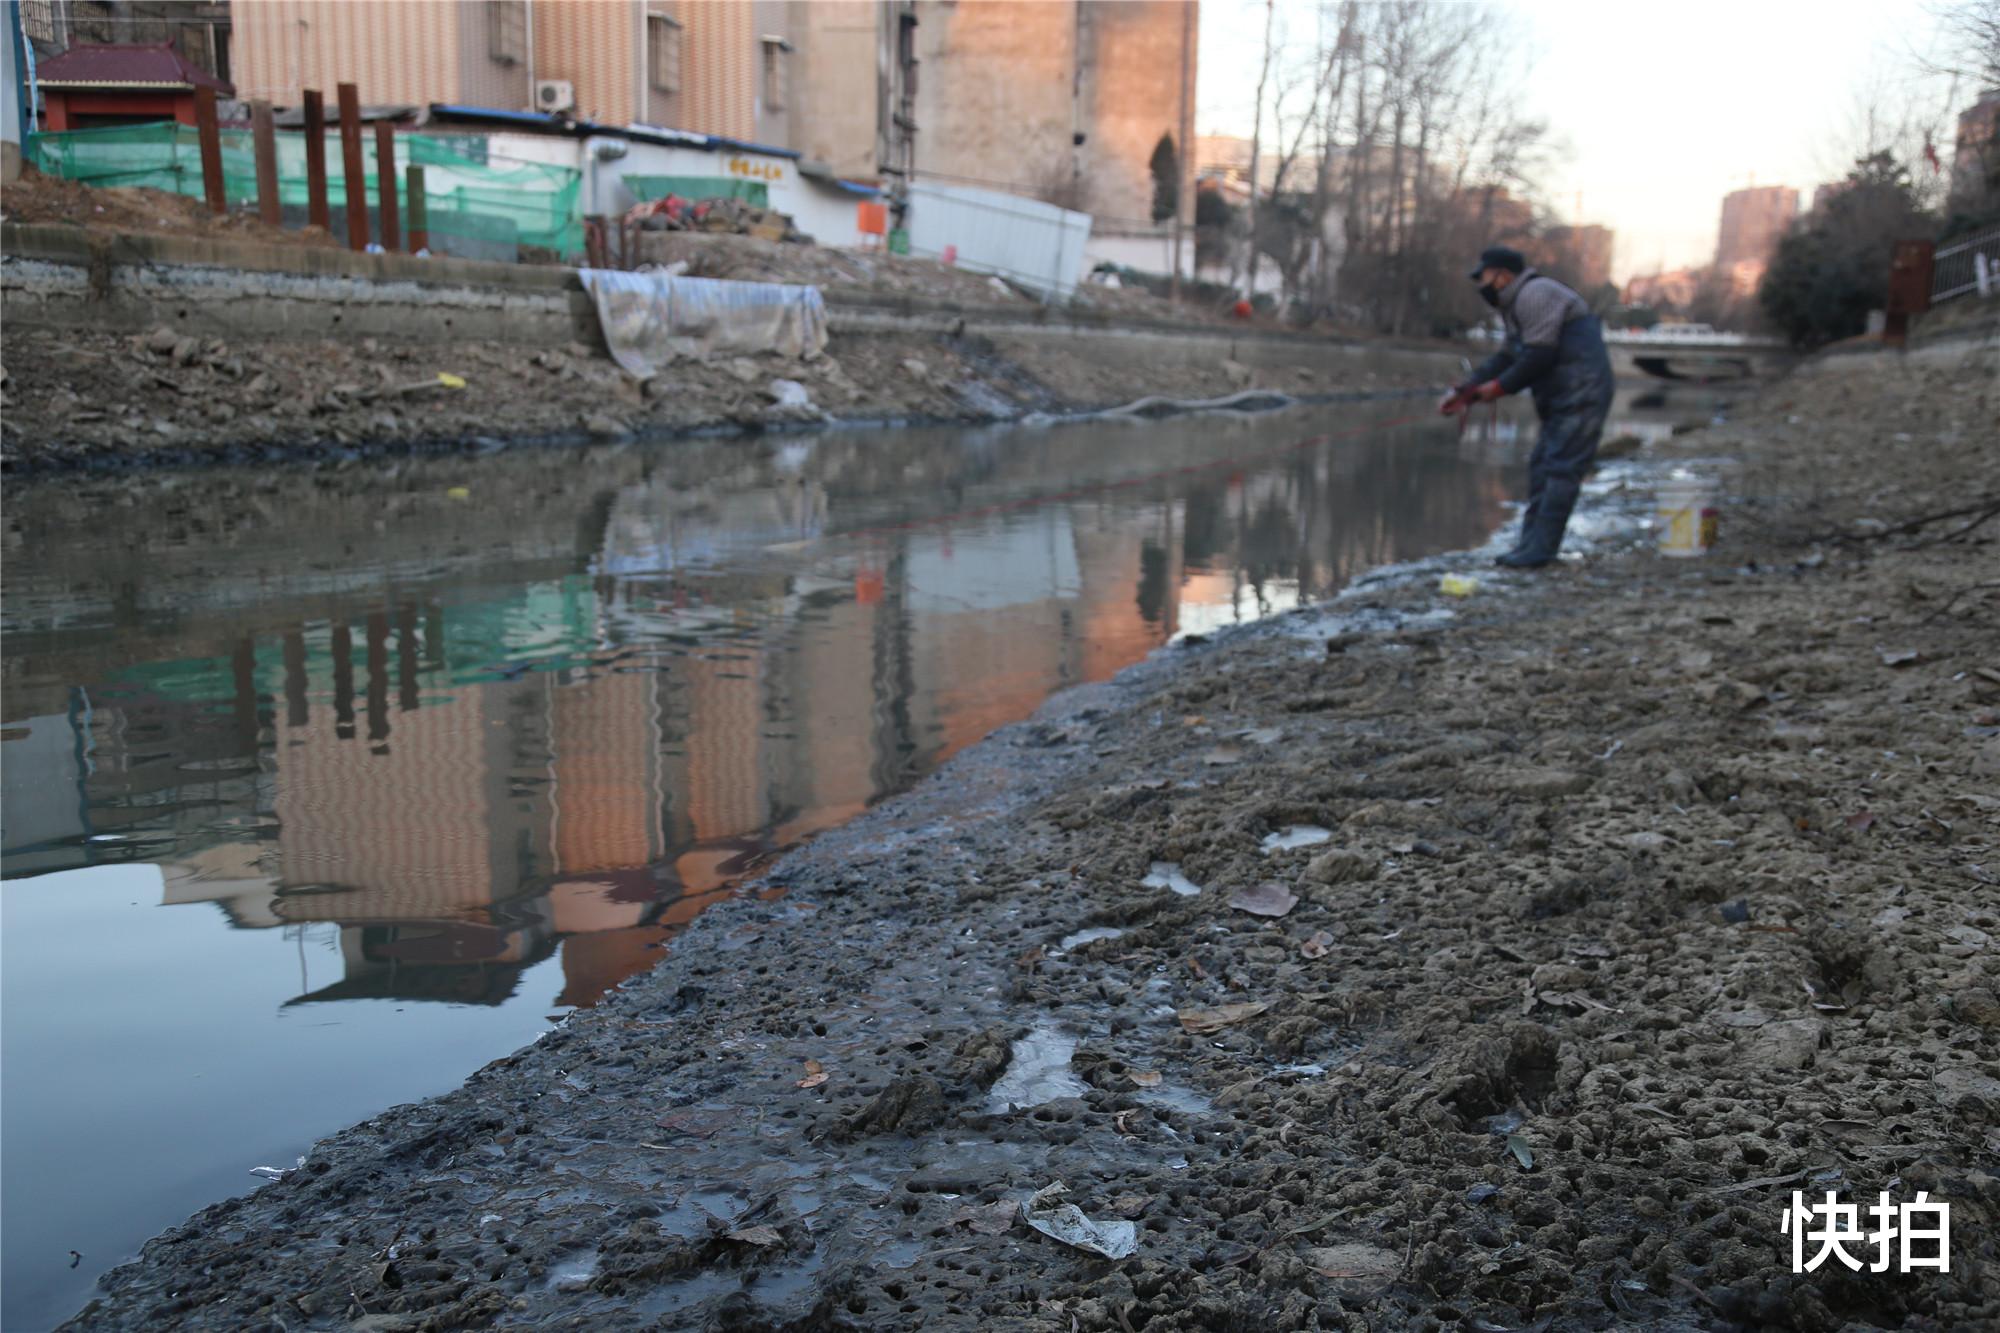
(554, 95)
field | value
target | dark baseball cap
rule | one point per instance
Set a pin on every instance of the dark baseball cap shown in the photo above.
(1498, 256)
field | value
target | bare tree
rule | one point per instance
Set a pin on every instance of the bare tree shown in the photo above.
(1971, 29)
(1256, 143)
(1398, 144)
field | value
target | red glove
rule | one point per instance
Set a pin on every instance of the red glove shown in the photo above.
(1487, 392)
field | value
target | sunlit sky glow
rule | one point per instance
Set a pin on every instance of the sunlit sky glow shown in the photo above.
(1662, 108)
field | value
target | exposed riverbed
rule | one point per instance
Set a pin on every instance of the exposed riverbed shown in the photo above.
(1410, 962)
(326, 786)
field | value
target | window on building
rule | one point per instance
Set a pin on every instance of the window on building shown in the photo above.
(38, 20)
(775, 51)
(663, 52)
(507, 30)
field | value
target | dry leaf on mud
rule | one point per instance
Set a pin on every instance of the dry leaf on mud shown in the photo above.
(1318, 945)
(1143, 1078)
(1904, 657)
(1199, 1021)
(987, 1219)
(757, 1236)
(816, 1074)
(1762, 1182)
(1575, 999)
(1860, 820)
(1267, 899)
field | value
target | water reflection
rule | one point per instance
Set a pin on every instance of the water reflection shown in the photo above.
(315, 700)
(433, 724)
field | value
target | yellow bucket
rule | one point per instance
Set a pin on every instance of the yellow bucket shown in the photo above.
(1687, 517)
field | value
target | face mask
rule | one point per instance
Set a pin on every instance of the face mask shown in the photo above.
(1490, 294)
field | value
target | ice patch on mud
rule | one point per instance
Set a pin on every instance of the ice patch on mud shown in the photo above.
(1295, 835)
(1175, 1097)
(574, 1273)
(1167, 875)
(1037, 1072)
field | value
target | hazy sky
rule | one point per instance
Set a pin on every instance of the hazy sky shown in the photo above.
(1663, 107)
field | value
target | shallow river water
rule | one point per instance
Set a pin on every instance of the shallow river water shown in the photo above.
(324, 787)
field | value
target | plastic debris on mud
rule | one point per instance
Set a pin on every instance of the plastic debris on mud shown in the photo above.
(1088, 936)
(1068, 1224)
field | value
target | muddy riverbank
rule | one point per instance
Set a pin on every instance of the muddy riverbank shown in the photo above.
(1503, 963)
(85, 401)
(126, 351)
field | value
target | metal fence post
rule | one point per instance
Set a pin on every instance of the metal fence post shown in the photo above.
(264, 142)
(420, 236)
(350, 166)
(209, 135)
(385, 183)
(317, 212)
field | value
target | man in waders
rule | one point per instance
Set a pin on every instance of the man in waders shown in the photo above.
(1554, 348)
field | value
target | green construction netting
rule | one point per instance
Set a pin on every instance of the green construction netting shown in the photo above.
(490, 203)
(648, 188)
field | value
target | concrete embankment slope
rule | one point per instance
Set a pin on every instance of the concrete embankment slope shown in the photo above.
(123, 347)
(1532, 951)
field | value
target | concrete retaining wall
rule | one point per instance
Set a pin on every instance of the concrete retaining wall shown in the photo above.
(71, 278)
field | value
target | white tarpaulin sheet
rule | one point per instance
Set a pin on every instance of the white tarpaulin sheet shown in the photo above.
(650, 318)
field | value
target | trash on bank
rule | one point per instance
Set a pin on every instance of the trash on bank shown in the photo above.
(1295, 835)
(1687, 517)
(789, 394)
(1522, 1152)
(1457, 585)
(1142, 1078)
(987, 1219)
(1199, 1021)
(1082, 937)
(1066, 1222)
(816, 1074)
(1167, 875)
(276, 1172)
(450, 381)
(1267, 899)
(1317, 945)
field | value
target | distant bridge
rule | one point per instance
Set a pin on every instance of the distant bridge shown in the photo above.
(1695, 352)
(1689, 352)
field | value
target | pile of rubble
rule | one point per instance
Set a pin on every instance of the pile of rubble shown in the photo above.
(728, 217)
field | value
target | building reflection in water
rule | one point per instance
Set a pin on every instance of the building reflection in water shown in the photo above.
(687, 661)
